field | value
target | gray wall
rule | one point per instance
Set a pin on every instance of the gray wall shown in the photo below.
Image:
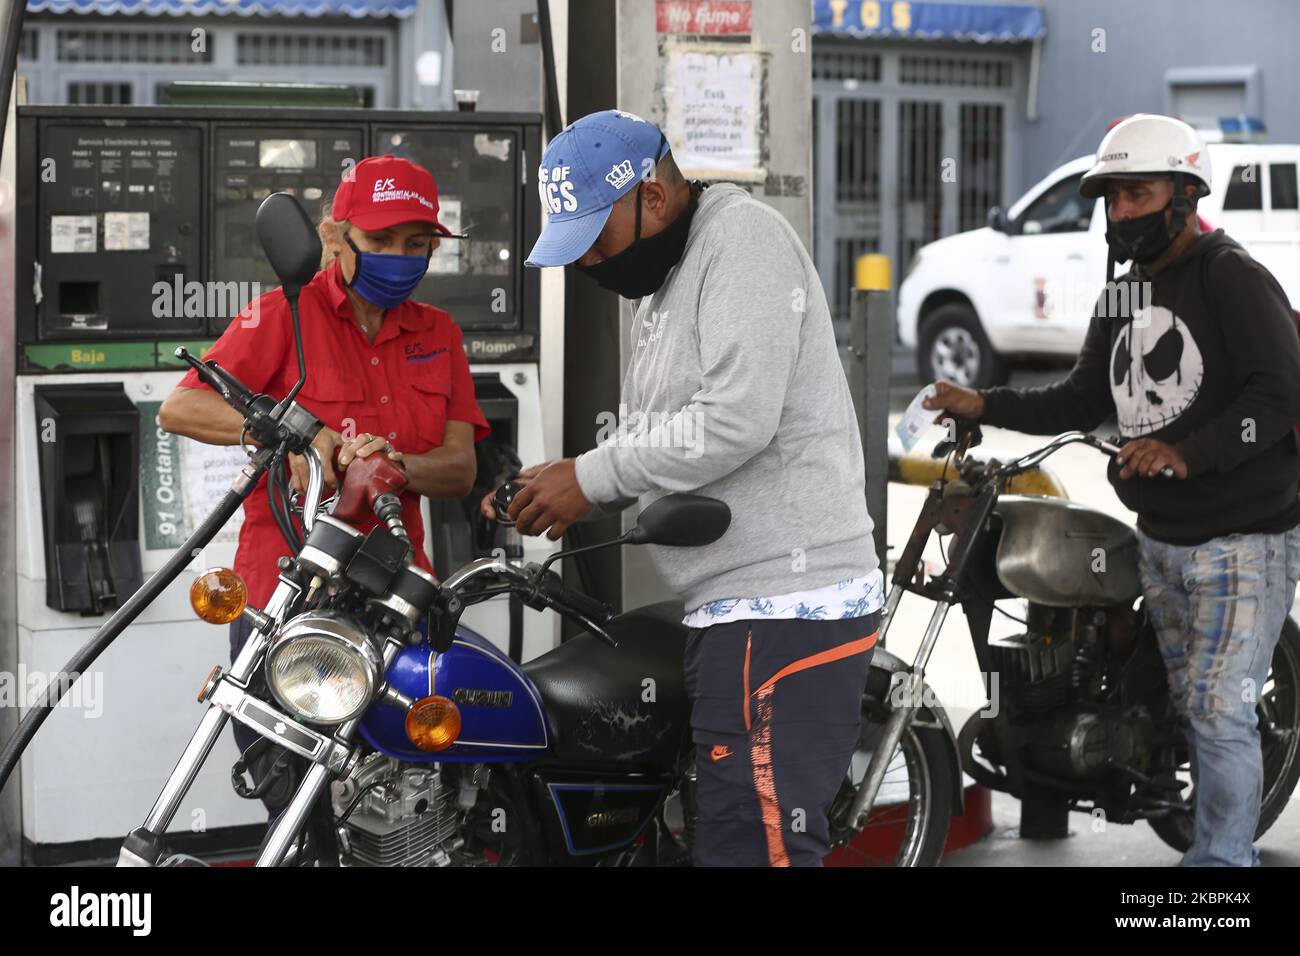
(1080, 91)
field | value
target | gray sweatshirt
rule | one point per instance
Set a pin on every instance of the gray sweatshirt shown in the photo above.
(735, 390)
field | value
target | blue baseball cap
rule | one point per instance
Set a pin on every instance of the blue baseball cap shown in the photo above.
(588, 167)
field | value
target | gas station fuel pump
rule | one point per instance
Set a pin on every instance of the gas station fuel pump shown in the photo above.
(134, 235)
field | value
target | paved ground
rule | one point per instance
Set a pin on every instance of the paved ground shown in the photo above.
(954, 674)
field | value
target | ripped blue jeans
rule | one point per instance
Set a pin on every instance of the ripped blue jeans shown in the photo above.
(1217, 609)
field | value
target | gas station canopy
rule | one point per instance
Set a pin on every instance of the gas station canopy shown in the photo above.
(246, 8)
(980, 22)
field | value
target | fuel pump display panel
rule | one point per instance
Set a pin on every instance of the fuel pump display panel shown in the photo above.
(251, 163)
(139, 222)
(121, 208)
(477, 278)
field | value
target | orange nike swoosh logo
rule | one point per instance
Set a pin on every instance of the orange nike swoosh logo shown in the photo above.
(719, 752)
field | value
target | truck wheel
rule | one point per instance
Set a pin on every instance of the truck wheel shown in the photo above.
(952, 346)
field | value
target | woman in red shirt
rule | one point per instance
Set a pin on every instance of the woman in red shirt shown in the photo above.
(384, 374)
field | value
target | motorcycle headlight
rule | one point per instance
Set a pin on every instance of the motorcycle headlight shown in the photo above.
(324, 668)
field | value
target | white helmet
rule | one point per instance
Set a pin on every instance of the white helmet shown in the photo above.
(1147, 146)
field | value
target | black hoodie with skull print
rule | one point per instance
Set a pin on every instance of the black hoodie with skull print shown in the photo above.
(1207, 360)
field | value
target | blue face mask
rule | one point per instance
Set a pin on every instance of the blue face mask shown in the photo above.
(384, 279)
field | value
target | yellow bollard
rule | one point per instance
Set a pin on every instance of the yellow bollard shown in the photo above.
(872, 272)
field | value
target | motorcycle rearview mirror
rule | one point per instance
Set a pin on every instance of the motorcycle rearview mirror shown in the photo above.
(293, 251)
(677, 520)
(289, 240)
(681, 521)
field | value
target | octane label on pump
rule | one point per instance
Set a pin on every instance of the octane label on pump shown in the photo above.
(180, 482)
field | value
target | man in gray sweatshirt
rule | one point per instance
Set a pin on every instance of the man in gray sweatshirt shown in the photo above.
(734, 390)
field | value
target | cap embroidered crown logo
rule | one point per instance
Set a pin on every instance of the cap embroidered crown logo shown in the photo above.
(620, 174)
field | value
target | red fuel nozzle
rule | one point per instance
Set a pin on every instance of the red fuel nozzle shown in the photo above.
(364, 480)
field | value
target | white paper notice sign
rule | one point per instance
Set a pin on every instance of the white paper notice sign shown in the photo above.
(126, 230)
(209, 471)
(72, 234)
(712, 102)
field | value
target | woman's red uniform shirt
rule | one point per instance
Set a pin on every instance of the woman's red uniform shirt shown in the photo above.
(405, 386)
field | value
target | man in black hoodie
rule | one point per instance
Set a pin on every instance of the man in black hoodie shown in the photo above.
(1197, 357)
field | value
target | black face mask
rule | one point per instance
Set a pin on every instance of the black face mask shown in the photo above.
(1143, 239)
(641, 268)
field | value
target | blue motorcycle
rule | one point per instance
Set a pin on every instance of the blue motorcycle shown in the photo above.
(407, 739)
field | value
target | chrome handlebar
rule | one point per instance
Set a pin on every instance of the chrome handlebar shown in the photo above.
(1033, 458)
(533, 583)
(483, 566)
(311, 504)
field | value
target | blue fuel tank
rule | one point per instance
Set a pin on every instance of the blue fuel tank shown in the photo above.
(502, 717)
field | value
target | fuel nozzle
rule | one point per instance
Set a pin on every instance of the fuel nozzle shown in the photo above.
(374, 482)
(502, 500)
(388, 509)
(509, 537)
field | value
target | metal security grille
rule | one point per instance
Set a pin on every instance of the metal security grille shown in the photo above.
(910, 145)
(129, 46)
(979, 172)
(68, 58)
(99, 94)
(290, 49)
(857, 150)
(952, 71)
(857, 195)
(846, 64)
(920, 154)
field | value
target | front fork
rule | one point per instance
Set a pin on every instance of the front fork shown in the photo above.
(899, 717)
(226, 697)
(143, 845)
(970, 515)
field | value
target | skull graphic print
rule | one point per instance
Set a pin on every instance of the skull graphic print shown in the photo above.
(1156, 371)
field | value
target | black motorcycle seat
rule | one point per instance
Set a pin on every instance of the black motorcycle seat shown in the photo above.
(600, 707)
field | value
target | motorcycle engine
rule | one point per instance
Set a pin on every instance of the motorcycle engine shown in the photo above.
(1057, 692)
(403, 815)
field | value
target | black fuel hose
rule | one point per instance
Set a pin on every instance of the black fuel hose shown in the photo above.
(278, 492)
(125, 615)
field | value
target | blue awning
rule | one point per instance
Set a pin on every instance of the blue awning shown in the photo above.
(244, 8)
(897, 19)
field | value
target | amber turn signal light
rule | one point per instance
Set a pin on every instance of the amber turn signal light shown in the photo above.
(218, 596)
(433, 723)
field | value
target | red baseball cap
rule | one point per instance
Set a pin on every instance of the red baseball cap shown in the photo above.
(382, 191)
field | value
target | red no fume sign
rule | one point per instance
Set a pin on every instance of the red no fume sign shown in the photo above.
(702, 16)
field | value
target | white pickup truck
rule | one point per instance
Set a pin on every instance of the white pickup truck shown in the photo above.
(1025, 285)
